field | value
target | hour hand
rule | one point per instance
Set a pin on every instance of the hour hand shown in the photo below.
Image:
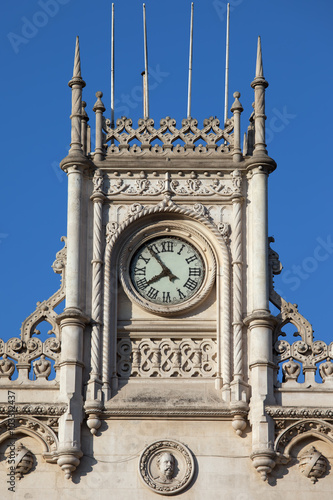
(172, 276)
(165, 270)
(157, 277)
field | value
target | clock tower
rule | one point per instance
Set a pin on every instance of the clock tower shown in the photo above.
(166, 355)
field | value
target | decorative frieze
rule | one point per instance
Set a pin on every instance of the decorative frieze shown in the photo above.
(295, 413)
(147, 185)
(166, 358)
(54, 410)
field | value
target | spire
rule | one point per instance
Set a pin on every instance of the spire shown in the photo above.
(259, 85)
(76, 84)
(77, 79)
(259, 78)
(79, 129)
(77, 61)
(259, 66)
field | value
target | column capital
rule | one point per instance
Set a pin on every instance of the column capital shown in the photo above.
(260, 318)
(73, 315)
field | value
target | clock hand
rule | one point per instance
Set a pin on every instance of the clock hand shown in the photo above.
(157, 277)
(166, 270)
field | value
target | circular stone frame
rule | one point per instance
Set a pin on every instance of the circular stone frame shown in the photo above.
(183, 462)
(168, 228)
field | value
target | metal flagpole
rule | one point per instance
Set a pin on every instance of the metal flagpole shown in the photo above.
(227, 69)
(146, 94)
(189, 94)
(112, 68)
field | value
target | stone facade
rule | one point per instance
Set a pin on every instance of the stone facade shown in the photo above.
(161, 375)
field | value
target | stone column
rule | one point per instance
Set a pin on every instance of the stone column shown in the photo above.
(94, 390)
(260, 326)
(72, 320)
(99, 109)
(260, 323)
(236, 109)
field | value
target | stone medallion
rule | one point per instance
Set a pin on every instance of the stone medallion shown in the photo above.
(166, 467)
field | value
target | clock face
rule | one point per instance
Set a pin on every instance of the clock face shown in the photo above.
(167, 270)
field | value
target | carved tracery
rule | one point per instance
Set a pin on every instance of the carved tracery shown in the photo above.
(29, 348)
(305, 352)
(215, 140)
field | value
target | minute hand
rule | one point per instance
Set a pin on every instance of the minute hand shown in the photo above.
(166, 270)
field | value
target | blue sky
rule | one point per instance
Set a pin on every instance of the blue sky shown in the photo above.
(37, 49)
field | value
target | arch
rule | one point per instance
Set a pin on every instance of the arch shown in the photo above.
(302, 429)
(137, 215)
(32, 427)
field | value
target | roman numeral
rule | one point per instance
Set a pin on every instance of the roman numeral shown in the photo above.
(167, 246)
(194, 271)
(142, 284)
(191, 284)
(140, 271)
(166, 297)
(191, 259)
(146, 260)
(180, 251)
(152, 293)
(154, 248)
(181, 295)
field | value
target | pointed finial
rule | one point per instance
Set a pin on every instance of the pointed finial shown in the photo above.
(99, 104)
(259, 78)
(236, 105)
(77, 61)
(259, 66)
(259, 85)
(77, 67)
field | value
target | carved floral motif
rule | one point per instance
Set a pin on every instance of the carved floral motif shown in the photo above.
(180, 187)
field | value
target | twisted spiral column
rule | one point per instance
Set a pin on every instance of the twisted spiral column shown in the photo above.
(97, 265)
(237, 288)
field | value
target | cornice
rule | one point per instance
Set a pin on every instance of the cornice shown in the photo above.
(294, 412)
(171, 413)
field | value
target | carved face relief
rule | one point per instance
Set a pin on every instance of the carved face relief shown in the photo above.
(166, 467)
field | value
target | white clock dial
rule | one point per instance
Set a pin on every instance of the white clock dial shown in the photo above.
(167, 270)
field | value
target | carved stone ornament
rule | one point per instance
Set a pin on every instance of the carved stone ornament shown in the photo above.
(20, 460)
(166, 467)
(189, 134)
(175, 186)
(313, 464)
